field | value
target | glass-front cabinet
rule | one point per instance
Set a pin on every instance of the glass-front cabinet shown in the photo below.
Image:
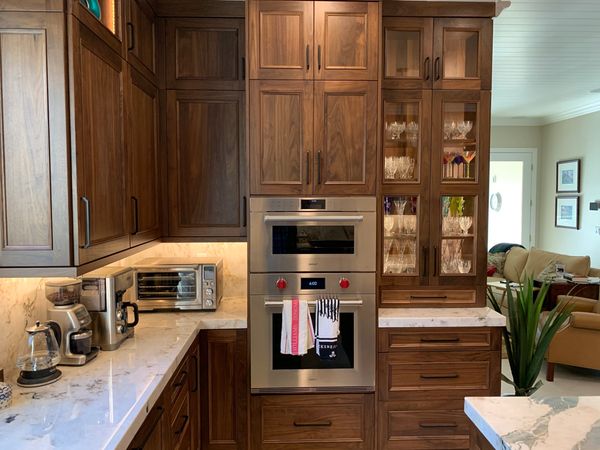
(104, 18)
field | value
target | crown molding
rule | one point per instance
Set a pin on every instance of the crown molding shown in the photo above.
(546, 120)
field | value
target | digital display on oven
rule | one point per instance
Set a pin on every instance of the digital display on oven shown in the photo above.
(312, 203)
(312, 283)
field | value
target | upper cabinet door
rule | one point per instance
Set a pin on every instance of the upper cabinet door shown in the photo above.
(281, 40)
(100, 81)
(34, 181)
(408, 53)
(462, 54)
(345, 137)
(205, 54)
(206, 163)
(143, 122)
(141, 38)
(346, 40)
(105, 21)
(281, 137)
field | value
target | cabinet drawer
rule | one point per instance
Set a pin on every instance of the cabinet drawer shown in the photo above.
(450, 374)
(428, 297)
(180, 426)
(391, 340)
(313, 421)
(420, 430)
(180, 381)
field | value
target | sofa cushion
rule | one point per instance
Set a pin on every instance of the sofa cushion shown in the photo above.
(516, 258)
(538, 260)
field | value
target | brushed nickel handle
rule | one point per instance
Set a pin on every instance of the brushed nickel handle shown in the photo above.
(88, 231)
(324, 423)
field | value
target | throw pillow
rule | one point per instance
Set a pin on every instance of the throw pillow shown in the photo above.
(516, 259)
(548, 275)
(497, 260)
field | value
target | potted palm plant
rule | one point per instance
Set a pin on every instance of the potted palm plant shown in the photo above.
(526, 338)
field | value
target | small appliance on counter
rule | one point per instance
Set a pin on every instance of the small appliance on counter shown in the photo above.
(38, 357)
(70, 322)
(103, 292)
(179, 284)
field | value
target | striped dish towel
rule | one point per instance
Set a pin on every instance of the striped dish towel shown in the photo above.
(297, 334)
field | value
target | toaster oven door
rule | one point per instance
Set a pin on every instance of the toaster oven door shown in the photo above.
(168, 288)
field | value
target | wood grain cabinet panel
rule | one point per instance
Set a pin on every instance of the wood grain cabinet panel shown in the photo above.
(346, 40)
(224, 389)
(436, 339)
(143, 120)
(206, 163)
(110, 28)
(281, 137)
(34, 178)
(153, 434)
(100, 84)
(281, 39)
(324, 421)
(205, 54)
(141, 38)
(345, 137)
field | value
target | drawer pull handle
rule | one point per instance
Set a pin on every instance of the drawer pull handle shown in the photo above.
(438, 425)
(182, 427)
(439, 340)
(182, 379)
(428, 297)
(439, 377)
(324, 423)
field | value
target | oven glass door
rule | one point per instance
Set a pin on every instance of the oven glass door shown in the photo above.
(344, 354)
(298, 239)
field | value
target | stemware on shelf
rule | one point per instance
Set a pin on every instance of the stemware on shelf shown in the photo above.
(465, 223)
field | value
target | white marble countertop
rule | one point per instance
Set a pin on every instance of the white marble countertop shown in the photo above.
(439, 317)
(102, 404)
(524, 423)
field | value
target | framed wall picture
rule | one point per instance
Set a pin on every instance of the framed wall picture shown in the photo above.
(567, 212)
(567, 176)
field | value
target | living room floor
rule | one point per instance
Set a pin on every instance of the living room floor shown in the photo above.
(568, 381)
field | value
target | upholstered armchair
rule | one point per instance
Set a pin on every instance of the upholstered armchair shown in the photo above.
(578, 341)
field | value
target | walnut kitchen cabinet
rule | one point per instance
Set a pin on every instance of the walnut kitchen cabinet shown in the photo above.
(206, 175)
(141, 38)
(205, 54)
(110, 27)
(153, 434)
(143, 153)
(437, 53)
(223, 389)
(34, 229)
(100, 83)
(304, 40)
(313, 137)
(423, 377)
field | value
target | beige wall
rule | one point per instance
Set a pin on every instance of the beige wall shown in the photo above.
(23, 300)
(570, 139)
(516, 137)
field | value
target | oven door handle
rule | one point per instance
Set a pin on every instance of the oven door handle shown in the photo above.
(270, 303)
(314, 219)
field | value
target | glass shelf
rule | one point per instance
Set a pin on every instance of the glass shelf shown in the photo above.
(458, 226)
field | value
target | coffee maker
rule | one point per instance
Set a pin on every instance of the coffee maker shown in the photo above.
(103, 292)
(70, 322)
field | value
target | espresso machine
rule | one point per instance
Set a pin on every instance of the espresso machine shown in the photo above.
(113, 318)
(70, 322)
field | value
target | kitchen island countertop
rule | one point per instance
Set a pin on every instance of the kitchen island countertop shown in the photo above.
(102, 404)
(525, 423)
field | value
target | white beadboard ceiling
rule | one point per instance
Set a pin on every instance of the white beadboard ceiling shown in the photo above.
(546, 61)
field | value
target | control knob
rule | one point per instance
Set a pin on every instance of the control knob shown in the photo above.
(344, 283)
(209, 291)
(120, 329)
(281, 283)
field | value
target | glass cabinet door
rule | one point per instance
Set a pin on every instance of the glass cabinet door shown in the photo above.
(458, 252)
(405, 135)
(463, 54)
(407, 52)
(400, 235)
(460, 136)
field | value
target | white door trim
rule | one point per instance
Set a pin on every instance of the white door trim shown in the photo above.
(534, 184)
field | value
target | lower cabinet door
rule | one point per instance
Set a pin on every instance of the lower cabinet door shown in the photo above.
(153, 433)
(323, 421)
(422, 430)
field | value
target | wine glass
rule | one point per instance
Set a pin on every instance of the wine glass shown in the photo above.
(448, 157)
(465, 223)
(412, 132)
(469, 156)
(400, 205)
(463, 128)
(464, 265)
(388, 224)
(457, 161)
(389, 168)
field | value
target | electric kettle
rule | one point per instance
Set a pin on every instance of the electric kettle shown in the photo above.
(39, 357)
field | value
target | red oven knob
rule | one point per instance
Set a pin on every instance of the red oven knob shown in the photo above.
(281, 284)
(344, 283)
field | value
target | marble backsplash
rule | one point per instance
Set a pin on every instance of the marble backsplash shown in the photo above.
(23, 300)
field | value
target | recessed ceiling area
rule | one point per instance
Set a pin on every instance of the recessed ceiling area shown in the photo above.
(546, 61)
